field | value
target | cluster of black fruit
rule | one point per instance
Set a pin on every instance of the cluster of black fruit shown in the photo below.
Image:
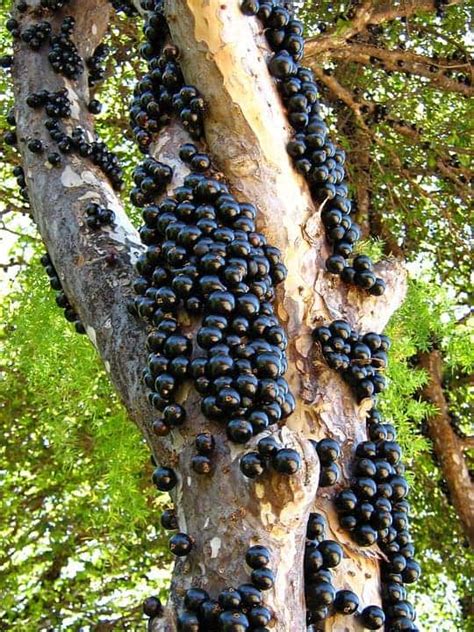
(151, 178)
(161, 92)
(375, 509)
(98, 216)
(270, 453)
(19, 174)
(96, 151)
(235, 609)
(96, 70)
(36, 146)
(10, 137)
(361, 360)
(205, 445)
(165, 480)
(61, 298)
(311, 149)
(56, 104)
(322, 599)
(329, 452)
(64, 56)
(157, 299)
(204, 255)
(366, 509)
(34, 35)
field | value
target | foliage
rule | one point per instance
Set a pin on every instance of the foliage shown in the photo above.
(428, 317)
(78, 513)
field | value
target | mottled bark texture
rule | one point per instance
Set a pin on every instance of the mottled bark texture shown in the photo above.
(223, 53)
(95, 268)
(447, 445)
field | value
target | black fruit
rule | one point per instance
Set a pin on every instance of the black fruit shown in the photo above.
(251, 596)
(252, 464)
(152, 607)
(169, 520)
(263, 578)
(194, 597)
(286, 461)
(346, 602)
(328, 451)
(319, 594)
(164, 478)
(257, 556)
(332, 553)
(372, 617)
(233, 621)
(180, 544)
(316, 526)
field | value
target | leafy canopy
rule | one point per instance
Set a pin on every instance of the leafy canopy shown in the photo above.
(78, 515)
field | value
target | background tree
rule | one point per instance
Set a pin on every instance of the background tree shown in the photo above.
(413, 337)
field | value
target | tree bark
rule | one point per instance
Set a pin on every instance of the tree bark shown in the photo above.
(224, 54)
(447, 446)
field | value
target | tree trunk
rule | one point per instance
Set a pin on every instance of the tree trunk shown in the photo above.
(447, 446)
(224, 54)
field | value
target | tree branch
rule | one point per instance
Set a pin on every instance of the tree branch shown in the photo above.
(447, 446)
(402, 61)
(98, 291)
(365, 15)
(358, 107)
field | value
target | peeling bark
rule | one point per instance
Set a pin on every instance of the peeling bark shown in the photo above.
(447, 446)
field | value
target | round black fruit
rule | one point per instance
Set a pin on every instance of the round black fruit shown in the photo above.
(257, 556)
(372, 617)
(346, 602)
(152, 607)
(180, 544)
(286, 461)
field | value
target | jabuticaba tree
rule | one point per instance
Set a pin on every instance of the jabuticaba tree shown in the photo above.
(239, 328)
